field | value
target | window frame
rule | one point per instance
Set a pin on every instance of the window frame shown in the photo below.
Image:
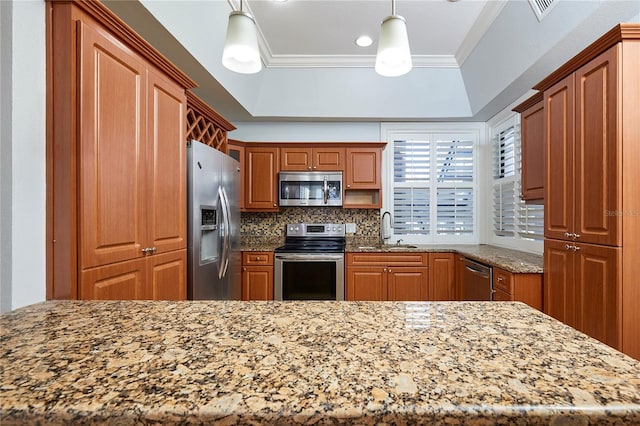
(395, 131)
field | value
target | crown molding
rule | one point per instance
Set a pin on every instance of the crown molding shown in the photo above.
(356, 61)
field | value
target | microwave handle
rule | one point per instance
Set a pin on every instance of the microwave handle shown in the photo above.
(326, 191)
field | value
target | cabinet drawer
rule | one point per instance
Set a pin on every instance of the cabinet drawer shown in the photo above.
(384, 259)
(501, 296)
(502, 280)
(250, 258)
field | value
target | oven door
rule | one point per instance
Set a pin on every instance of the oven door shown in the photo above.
(309, 276)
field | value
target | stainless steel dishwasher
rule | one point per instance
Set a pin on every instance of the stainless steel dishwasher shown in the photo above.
(477, 283)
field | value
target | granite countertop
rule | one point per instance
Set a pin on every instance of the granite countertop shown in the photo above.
(317, 363)
(515, 261)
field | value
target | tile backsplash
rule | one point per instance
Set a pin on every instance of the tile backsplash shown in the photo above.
(266, 224)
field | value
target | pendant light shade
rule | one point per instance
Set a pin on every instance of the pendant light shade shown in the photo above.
(394, 56)
(241, 53)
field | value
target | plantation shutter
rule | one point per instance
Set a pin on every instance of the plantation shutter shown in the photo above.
(411, 175)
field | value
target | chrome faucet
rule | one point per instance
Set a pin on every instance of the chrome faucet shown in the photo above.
(382, 237)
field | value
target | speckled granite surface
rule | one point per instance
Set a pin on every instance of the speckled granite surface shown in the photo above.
(306, 363)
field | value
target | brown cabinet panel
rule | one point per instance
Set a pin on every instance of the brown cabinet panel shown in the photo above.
(407, 284)
(257, 275)
(112, 149)
(532, 124)
(597, 275)
(167, 276)
(166, 165)
(296, 159)
(118, 281)
(366, 283)
(363, 168)
(501, 296)
(526, 288)
(257, 283)
(559, 282)
(459, 260)
(559, 146)
(237, 153)
(596, 151)
(261, 179)
(328, 159)
(391, 259)
(442, 280)
(502, 280)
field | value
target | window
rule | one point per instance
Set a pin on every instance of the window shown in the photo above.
(431, 190)
(512, 218)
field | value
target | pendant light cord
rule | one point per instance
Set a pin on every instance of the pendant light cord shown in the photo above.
(393, 7)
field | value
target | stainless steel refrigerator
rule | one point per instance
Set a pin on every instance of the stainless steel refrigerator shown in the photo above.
(213, 243)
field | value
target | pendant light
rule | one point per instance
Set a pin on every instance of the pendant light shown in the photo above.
(241, 53)
(394, 57)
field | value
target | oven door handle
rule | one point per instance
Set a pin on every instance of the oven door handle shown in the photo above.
(320, 257)
(325, 191)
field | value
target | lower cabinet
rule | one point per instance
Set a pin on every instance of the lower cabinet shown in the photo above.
(397, 276)
(257, 275)
(526, 288)
(582, 288)
(156, 277)
(442, 277)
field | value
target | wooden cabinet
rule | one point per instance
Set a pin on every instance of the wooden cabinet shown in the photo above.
(459, 265)
(235, 149)
(583, 160)
(398, 276)
(526, 288)
(261, 178)
(363, 178)
(117, 169)
(532, 138)
(311, 159)
(442, 278)
(592, 183)
(257, 275)
(582, 288)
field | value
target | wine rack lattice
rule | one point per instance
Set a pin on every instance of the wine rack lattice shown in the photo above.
(204, 124)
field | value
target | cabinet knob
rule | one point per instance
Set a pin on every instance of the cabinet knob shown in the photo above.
(499, 278)
(384, 269)
(309, 167)
(244, 269)
(314, 167)
(275, 205)
(389, 270)
(257, 257)
(348, 186)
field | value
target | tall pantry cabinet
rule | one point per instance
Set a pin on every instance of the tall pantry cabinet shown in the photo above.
(117, 160)
(592, 182)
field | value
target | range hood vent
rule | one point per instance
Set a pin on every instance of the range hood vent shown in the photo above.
(542, 7)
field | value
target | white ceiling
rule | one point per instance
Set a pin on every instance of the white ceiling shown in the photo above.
(472, 58)
(305, 33)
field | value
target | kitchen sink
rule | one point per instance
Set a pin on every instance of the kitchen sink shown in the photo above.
(399, 247)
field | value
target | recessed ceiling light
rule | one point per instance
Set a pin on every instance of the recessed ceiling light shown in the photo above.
(364, 41)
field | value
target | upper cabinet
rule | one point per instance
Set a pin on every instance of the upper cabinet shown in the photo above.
(312, 159)
(532, 136)
(363, 177)
(117, 168)
(261, 178)
(584, 154)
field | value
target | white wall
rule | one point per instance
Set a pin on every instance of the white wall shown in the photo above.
(306, 132)
(23, 181)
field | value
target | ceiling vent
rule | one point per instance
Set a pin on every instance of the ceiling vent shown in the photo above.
(542, 7)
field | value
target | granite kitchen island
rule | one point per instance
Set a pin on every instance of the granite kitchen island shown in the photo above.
(307, 363)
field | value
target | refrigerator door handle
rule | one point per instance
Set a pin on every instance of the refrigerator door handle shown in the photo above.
(226, 217)
(223, 232)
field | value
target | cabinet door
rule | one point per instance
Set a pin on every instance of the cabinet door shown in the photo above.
(112, 194)
(533, 152)
(257, 283)
(167, 279)
(559, 282)
(407, 284)
(261, 179)
(597, 200)
(501, 296)
(363, 168)
(295, 159)
(166, 165)
(598, 278)
(559, 147)
(328, 159)
(442, 280)
(459, 275)
(118, 281)
(366, 283)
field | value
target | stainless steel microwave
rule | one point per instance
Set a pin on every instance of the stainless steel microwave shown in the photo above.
(310, 188)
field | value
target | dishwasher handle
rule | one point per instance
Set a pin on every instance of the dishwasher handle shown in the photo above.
(478, 268)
